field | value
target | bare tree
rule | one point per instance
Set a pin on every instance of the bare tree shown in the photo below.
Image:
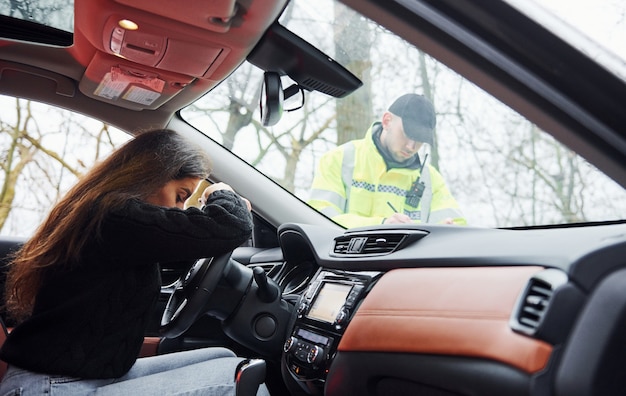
(352, 49)
(522, 175)
(55, 13)
(43, 154)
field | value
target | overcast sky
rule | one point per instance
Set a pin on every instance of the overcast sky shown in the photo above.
(602, 20)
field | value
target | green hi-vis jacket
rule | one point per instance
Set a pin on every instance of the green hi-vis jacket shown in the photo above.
(353, 186)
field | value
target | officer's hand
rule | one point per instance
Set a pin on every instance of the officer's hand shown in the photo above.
(397, 218)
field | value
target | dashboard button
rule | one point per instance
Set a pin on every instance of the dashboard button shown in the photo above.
(315, 355)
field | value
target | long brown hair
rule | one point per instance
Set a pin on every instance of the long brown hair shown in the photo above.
(135, 170)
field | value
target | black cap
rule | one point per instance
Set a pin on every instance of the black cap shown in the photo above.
(418, 117)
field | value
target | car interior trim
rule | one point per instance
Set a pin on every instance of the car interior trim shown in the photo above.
(444, 311)
(150, 346)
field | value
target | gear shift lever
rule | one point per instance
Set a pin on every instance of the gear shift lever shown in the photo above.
(268, 291)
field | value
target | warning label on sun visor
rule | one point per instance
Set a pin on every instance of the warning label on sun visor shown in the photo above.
(141, 95)
(130, 86)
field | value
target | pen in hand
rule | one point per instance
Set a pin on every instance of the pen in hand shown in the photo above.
(392, 208)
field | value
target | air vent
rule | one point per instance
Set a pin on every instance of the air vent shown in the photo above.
(534, 302)
(368, 244)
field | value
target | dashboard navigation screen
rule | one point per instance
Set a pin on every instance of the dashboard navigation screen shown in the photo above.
(331, 297)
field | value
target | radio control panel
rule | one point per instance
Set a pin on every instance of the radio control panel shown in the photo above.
(323, 312)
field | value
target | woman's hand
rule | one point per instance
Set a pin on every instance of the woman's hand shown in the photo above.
(219, 186)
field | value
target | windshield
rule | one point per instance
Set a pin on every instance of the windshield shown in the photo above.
(497, 168)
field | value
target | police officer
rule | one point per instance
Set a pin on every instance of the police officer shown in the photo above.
(381, 179)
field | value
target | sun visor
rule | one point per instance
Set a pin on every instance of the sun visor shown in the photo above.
(125, 84)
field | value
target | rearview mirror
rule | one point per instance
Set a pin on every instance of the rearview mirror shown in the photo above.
(271, 103)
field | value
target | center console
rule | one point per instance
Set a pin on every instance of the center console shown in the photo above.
(322, 315)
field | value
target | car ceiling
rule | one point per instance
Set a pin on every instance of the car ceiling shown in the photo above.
(186, 50)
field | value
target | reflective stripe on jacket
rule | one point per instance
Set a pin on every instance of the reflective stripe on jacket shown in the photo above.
(353, 186)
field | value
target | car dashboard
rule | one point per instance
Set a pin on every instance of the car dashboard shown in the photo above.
(452, 310)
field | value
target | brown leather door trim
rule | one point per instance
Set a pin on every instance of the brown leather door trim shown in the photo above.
(150, 346)
(447, 311)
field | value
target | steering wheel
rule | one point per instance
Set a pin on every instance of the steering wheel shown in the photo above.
(191, 295)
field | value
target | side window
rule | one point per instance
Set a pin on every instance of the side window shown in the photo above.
(44, 150)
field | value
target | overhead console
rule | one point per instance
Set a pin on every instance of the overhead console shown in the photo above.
(166, 36)
(322, 315)
(146, 52)
(150, 46)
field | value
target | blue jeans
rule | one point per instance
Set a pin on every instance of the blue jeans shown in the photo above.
(208, 371)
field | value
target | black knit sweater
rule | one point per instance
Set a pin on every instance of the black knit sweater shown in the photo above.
(89, 321)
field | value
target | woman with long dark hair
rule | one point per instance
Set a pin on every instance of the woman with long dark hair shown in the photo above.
(84, 287)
